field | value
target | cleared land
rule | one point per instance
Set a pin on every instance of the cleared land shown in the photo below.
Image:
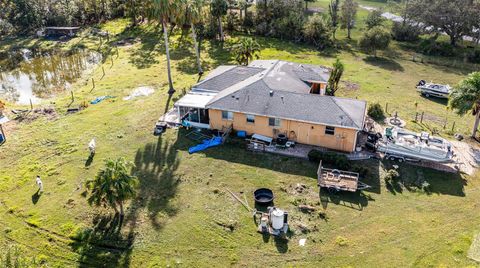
(183, 215)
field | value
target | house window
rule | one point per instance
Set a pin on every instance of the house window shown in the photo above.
(274, 122)
(227, 115)
(330, 130)
(250, 118)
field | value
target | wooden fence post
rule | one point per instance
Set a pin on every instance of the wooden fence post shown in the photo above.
(453, 126)
(31, 104)
(103, 71)
(386, 107)
(416, 116)
(73, 99)
(421, 118)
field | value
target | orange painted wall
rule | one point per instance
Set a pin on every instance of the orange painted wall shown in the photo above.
(306, 133)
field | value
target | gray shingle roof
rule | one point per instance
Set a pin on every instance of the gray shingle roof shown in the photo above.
(326, 110)
(228, 78)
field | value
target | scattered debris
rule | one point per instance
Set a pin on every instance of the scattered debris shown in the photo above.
(303, 227)
(302, 241)
(238, 199)
(73, 110)
(306, 208)
(458, 136)
(140, 91)
(230, 225)
(299, 188)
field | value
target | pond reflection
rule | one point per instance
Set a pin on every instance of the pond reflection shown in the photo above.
(27, 75)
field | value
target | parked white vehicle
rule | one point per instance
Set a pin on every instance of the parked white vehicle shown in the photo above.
(433, 90)
(402, 145)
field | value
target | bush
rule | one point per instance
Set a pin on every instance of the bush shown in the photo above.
(317, 32)
(375, 111)
(405, 32)
(474, 56)
(434, 48)
(361, 170)
(391, 175)
(374, 19)
(377, 38)
(289, 27)
(339, 161)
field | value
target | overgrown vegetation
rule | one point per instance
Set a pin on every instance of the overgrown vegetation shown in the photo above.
(375, 111)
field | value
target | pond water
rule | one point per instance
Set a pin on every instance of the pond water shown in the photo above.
(27, 75)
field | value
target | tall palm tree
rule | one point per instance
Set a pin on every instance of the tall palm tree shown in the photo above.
(190, 15)
(246, 49)
(219, 8)
(163, 11)
(465, 98)
(113, 185)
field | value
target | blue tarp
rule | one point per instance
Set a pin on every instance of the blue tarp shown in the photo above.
(2, 138)
(216, 141)
(99, 99)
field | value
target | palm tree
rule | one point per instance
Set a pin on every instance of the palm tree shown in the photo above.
(163, 10)
(465, 98)
(219, 8)
(191, 15)
(335, 77)
(246, 49)
(113, 185)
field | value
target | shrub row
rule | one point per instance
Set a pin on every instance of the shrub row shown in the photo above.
(337, 160)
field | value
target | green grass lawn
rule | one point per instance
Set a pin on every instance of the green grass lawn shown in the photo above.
(182, 207)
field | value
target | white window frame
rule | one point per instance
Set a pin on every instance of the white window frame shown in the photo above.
(229, 115)
(277, 122)
(250, 118)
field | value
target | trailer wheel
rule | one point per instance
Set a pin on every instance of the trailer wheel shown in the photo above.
(391, 158)
(400, 160)
(427, 95)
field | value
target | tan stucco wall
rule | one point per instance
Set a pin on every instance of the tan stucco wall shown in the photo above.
(306, 133)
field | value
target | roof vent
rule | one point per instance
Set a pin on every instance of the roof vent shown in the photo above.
(271, 93)
(233, 96)
(282, 99)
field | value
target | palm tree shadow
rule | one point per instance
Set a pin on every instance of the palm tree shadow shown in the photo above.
(155, 166)
(104, 243)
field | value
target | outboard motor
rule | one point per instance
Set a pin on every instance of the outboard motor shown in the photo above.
(421, 83)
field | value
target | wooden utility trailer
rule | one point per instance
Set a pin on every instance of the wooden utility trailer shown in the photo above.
(339, 180)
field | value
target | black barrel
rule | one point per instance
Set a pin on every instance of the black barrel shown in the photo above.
(263, 196)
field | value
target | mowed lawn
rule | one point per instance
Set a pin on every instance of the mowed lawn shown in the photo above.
(183, 214)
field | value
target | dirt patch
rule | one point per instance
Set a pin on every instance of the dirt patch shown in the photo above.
(350, 86)
(29, 116)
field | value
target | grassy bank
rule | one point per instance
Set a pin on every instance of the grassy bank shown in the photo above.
(183, 214)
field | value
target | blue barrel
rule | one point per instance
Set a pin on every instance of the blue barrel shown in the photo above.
(242, 134)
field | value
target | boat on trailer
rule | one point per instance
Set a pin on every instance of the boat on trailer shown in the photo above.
(433, 90)
(399, 144)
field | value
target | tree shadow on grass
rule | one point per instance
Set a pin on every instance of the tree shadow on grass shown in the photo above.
(104, 245)
(147, 54)
(384, 63)
(424, 180)
(357, 200)
(155, 166)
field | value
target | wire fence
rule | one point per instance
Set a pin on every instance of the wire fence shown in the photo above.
(424, 120)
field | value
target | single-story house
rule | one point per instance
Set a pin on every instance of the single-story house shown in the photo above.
(271, 97)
